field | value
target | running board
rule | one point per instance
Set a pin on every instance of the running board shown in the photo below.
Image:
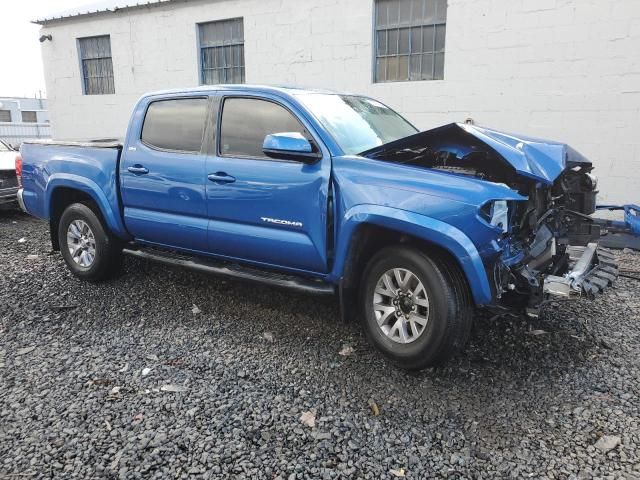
(206, 265)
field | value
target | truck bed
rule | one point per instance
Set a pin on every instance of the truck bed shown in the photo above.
(50, 167)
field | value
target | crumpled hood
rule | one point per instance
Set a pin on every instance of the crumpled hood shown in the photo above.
(541, 159)
(461, 145)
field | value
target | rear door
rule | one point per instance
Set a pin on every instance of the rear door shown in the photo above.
(163, 174)
(261, 209)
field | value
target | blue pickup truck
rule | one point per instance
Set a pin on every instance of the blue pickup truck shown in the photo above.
(329, 193)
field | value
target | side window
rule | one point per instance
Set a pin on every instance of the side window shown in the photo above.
(176, 124)
(246, 121)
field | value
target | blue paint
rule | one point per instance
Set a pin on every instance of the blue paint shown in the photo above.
(631, 222)
(542, 160)
(89, 170)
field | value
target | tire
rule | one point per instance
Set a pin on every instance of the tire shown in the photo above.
(441, 311)
(106, 250)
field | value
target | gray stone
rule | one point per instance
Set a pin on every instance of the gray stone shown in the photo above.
(607, 442)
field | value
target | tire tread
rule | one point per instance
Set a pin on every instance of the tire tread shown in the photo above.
(109, 265)
(455, 295)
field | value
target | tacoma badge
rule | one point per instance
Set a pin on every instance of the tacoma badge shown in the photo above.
(281, 222)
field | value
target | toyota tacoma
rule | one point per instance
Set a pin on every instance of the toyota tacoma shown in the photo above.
(329, 193)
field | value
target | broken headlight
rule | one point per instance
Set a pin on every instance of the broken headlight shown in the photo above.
(591, 180)
(496, 213)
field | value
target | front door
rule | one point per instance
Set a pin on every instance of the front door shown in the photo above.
(261, 209)
(163, 175)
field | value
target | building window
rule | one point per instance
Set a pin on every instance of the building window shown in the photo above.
(97, 65)
(29, 117)
(5, 115)
(222, 51)
(409, 39)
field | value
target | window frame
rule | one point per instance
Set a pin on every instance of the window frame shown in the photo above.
(218, 130)
(410, 25)
(35, 114)
(81, 60)
(203, 142)
(10, 116)
(201, 47)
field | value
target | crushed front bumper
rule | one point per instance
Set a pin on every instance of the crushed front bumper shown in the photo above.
(592, 270)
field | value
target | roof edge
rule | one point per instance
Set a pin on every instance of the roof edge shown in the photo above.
(79, 13)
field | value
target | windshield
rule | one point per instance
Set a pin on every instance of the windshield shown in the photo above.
(357, 124)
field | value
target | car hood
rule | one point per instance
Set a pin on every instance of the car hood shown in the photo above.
(463, 146)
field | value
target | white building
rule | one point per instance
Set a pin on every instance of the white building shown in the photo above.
(23, 118)
(561, 69)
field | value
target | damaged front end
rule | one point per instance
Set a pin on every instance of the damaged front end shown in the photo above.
(552, 247)
(547, 245)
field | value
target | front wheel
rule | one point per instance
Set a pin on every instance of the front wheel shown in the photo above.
(88, 249)
(417, 311)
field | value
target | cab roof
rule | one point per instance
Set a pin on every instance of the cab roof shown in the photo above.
(273, 89)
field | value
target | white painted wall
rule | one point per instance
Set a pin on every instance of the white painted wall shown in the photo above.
(562, 69)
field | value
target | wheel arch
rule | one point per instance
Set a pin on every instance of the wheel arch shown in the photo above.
(64, 191)
(365, 231)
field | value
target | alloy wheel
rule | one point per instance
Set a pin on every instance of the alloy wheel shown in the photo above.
(401, 305)
(81, 243)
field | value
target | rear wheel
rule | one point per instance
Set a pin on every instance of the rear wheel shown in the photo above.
(417, 311)
(88, 249)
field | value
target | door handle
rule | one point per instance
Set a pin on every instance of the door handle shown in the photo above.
(221, 177)
(138, 170)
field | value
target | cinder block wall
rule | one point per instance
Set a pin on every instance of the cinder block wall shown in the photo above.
(562, 69)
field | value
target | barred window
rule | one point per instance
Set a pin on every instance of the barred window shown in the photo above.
(5, 115)
(29, 116)
(222, 51)
(97, 65)
(409, 39)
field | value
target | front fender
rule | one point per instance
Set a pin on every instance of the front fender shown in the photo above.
(107, 202)
(430, 229)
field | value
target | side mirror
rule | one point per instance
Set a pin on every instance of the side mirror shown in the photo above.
(289, 146)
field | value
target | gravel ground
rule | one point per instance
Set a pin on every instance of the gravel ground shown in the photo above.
(169, 374)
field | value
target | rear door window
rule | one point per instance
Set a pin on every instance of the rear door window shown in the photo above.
(175, 125)
(246, 121)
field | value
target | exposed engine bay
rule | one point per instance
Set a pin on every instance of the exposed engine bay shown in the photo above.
(548, 244)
